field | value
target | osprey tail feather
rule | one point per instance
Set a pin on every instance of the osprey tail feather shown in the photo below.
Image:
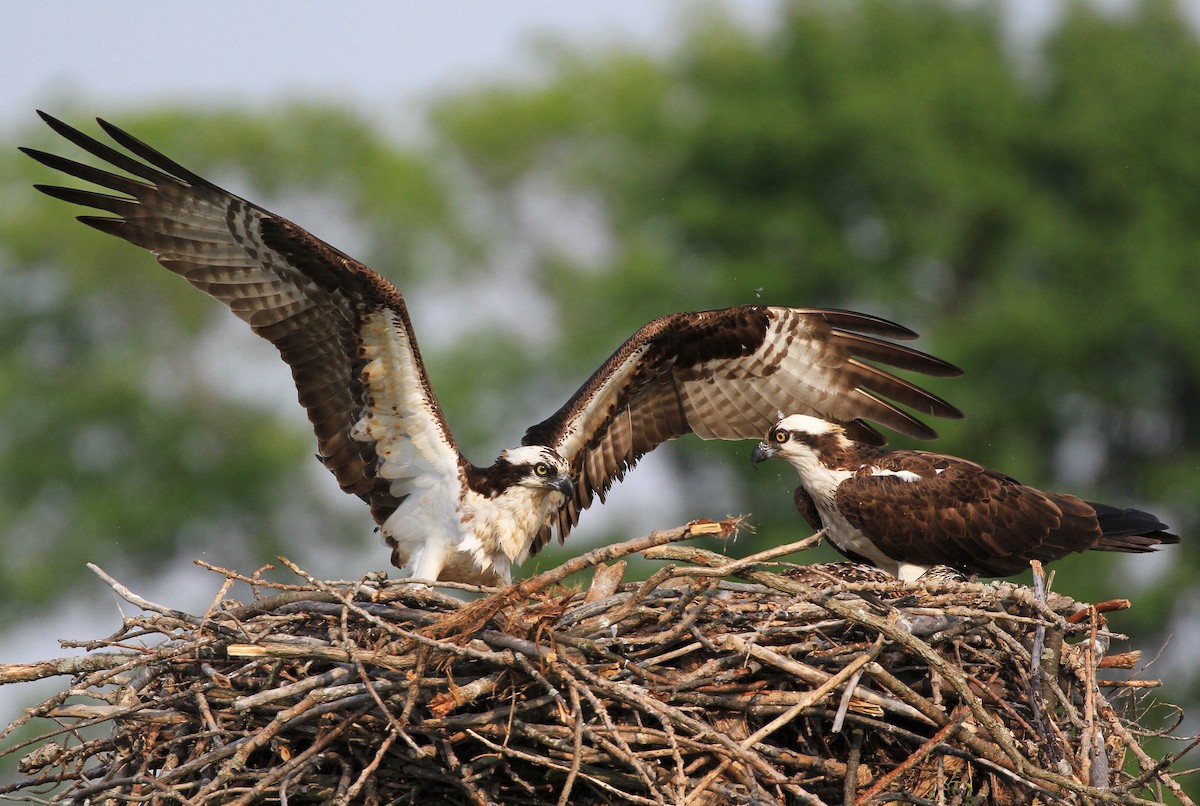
(1130, 530)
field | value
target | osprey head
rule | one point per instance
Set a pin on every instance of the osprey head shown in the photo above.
(536, 467)
(799, 436)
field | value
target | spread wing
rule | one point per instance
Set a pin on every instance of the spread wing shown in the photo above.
(963, 515)
(729, 374)
(342, 328)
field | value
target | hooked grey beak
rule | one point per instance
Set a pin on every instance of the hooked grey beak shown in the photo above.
(564, 485)
(762, 452)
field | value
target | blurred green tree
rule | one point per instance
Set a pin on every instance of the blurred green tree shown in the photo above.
(1029, 207)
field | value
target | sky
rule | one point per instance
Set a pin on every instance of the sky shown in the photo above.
(381, 57)
(386, 58)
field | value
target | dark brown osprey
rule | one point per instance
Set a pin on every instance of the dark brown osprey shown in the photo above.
(346, 334)
(906, 511)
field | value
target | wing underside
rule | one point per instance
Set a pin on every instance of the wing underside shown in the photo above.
(317, 305)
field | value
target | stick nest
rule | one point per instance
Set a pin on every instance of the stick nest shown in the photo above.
(787, 686)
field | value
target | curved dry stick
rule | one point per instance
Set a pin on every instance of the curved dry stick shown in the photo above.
(472, 617)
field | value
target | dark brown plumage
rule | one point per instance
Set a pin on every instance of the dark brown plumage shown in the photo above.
(906, 511)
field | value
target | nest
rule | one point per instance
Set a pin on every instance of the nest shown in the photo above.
(791, 685)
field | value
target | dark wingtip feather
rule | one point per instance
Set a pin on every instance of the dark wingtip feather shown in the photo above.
(54, 123)
(112, 226)
(66, 131)
(43, 157)
(862, 431)
(150, 155)
(96, 149)
(934, 406)
(864, 323)
(949, 370)
(87, 198)
(872, 348)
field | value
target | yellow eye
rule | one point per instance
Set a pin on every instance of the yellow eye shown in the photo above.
(541, 469)
(780, 436)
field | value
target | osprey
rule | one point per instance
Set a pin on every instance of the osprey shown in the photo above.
(905, 511)
(346, 334)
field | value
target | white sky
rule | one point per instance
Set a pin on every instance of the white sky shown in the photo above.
(385, 57)
(374, 55)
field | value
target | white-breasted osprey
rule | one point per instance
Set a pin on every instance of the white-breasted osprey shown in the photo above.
(907, 511)
(346, 334)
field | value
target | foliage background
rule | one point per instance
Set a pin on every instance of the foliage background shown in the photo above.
(1031, 211)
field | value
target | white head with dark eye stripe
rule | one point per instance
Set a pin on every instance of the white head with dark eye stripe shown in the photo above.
(802, 440)
(538, 468)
